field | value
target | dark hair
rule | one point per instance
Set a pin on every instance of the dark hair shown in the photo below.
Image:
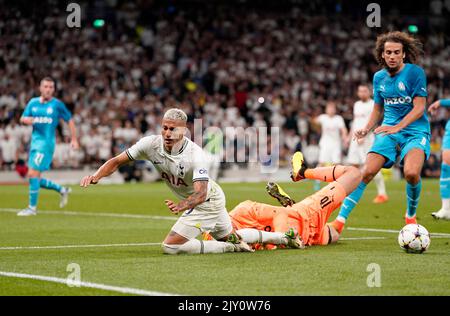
(412, 47)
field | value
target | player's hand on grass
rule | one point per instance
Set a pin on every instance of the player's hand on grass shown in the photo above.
(173, 207)
(87, 180)
(433, 107)
(387, 130)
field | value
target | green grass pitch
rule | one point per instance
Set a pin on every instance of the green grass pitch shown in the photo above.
(123, 251)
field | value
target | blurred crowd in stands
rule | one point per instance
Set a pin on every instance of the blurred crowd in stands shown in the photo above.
(231, 64)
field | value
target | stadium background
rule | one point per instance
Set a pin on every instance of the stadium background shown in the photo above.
(217, 60)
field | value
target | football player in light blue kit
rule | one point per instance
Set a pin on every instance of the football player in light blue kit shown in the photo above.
(400, 91)
(44, 113)
(444, 212)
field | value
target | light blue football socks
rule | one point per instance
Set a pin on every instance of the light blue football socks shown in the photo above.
(350, 201)
(413, 197)
(47, 184)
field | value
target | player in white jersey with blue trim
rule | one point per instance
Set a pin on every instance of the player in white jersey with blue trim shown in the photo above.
(183, 166)
(444, 212)
(358, 149)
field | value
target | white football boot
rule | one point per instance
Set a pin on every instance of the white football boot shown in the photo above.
(441, 214)
(27, 212)
(64, 197)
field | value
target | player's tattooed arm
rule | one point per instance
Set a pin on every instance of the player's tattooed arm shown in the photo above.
(198, 197)
(106, 169)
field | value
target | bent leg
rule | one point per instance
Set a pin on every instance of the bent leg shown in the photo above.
(372, 166)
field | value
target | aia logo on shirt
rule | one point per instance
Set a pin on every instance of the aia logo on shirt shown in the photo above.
(174, 181)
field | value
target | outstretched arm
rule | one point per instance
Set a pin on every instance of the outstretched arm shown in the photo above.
(105, 170)
(373, 120)
(196, 198)
(433, 107)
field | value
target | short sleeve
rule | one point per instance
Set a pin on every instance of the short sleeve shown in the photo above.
(445, 103)
(320, 118)
(419, 86)
(27, 111)
(64, 112)
(341, 122)
(140, 150)
(378, 99)
(200, 167)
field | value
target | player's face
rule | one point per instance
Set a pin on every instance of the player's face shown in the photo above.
(393, 55)
(47, 88)
(172, 132)
(330, 109)
(363, 93)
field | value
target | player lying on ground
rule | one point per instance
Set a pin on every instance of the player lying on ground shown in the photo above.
(256, 222)
(44, 113)
(400, 92)
(182, 165)
(444, 212)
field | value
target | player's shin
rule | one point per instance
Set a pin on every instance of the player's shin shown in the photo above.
(350, 202)
(445, 186)
(326, 174)
(195, 246)
(47, 184)
(254, 236)
(33, 191)
(413, 197)
(379, 183)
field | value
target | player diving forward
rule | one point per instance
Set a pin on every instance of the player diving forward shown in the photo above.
(444, 212)
(358, 149)
(400, 90)
(44, 113)
(182, 164)
(255, 221)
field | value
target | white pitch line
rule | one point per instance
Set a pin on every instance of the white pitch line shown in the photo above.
(91, 285)
(81, 246)
(391, 231)
(174, 218)
(362, 238)
(100, 214)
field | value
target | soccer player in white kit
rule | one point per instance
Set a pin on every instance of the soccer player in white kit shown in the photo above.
(183, 166)
(358, 150)
(333, 137)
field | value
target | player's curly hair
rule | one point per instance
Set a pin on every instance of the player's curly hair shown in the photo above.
(412, 47)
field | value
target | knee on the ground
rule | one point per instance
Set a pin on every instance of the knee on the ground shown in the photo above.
(170, 249)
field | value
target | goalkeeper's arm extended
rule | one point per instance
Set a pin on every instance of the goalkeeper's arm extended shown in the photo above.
(105, 170)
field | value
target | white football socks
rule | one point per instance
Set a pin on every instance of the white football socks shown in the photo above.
(379, 182)
(199, 246)
(253, 236)
(446, 204)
